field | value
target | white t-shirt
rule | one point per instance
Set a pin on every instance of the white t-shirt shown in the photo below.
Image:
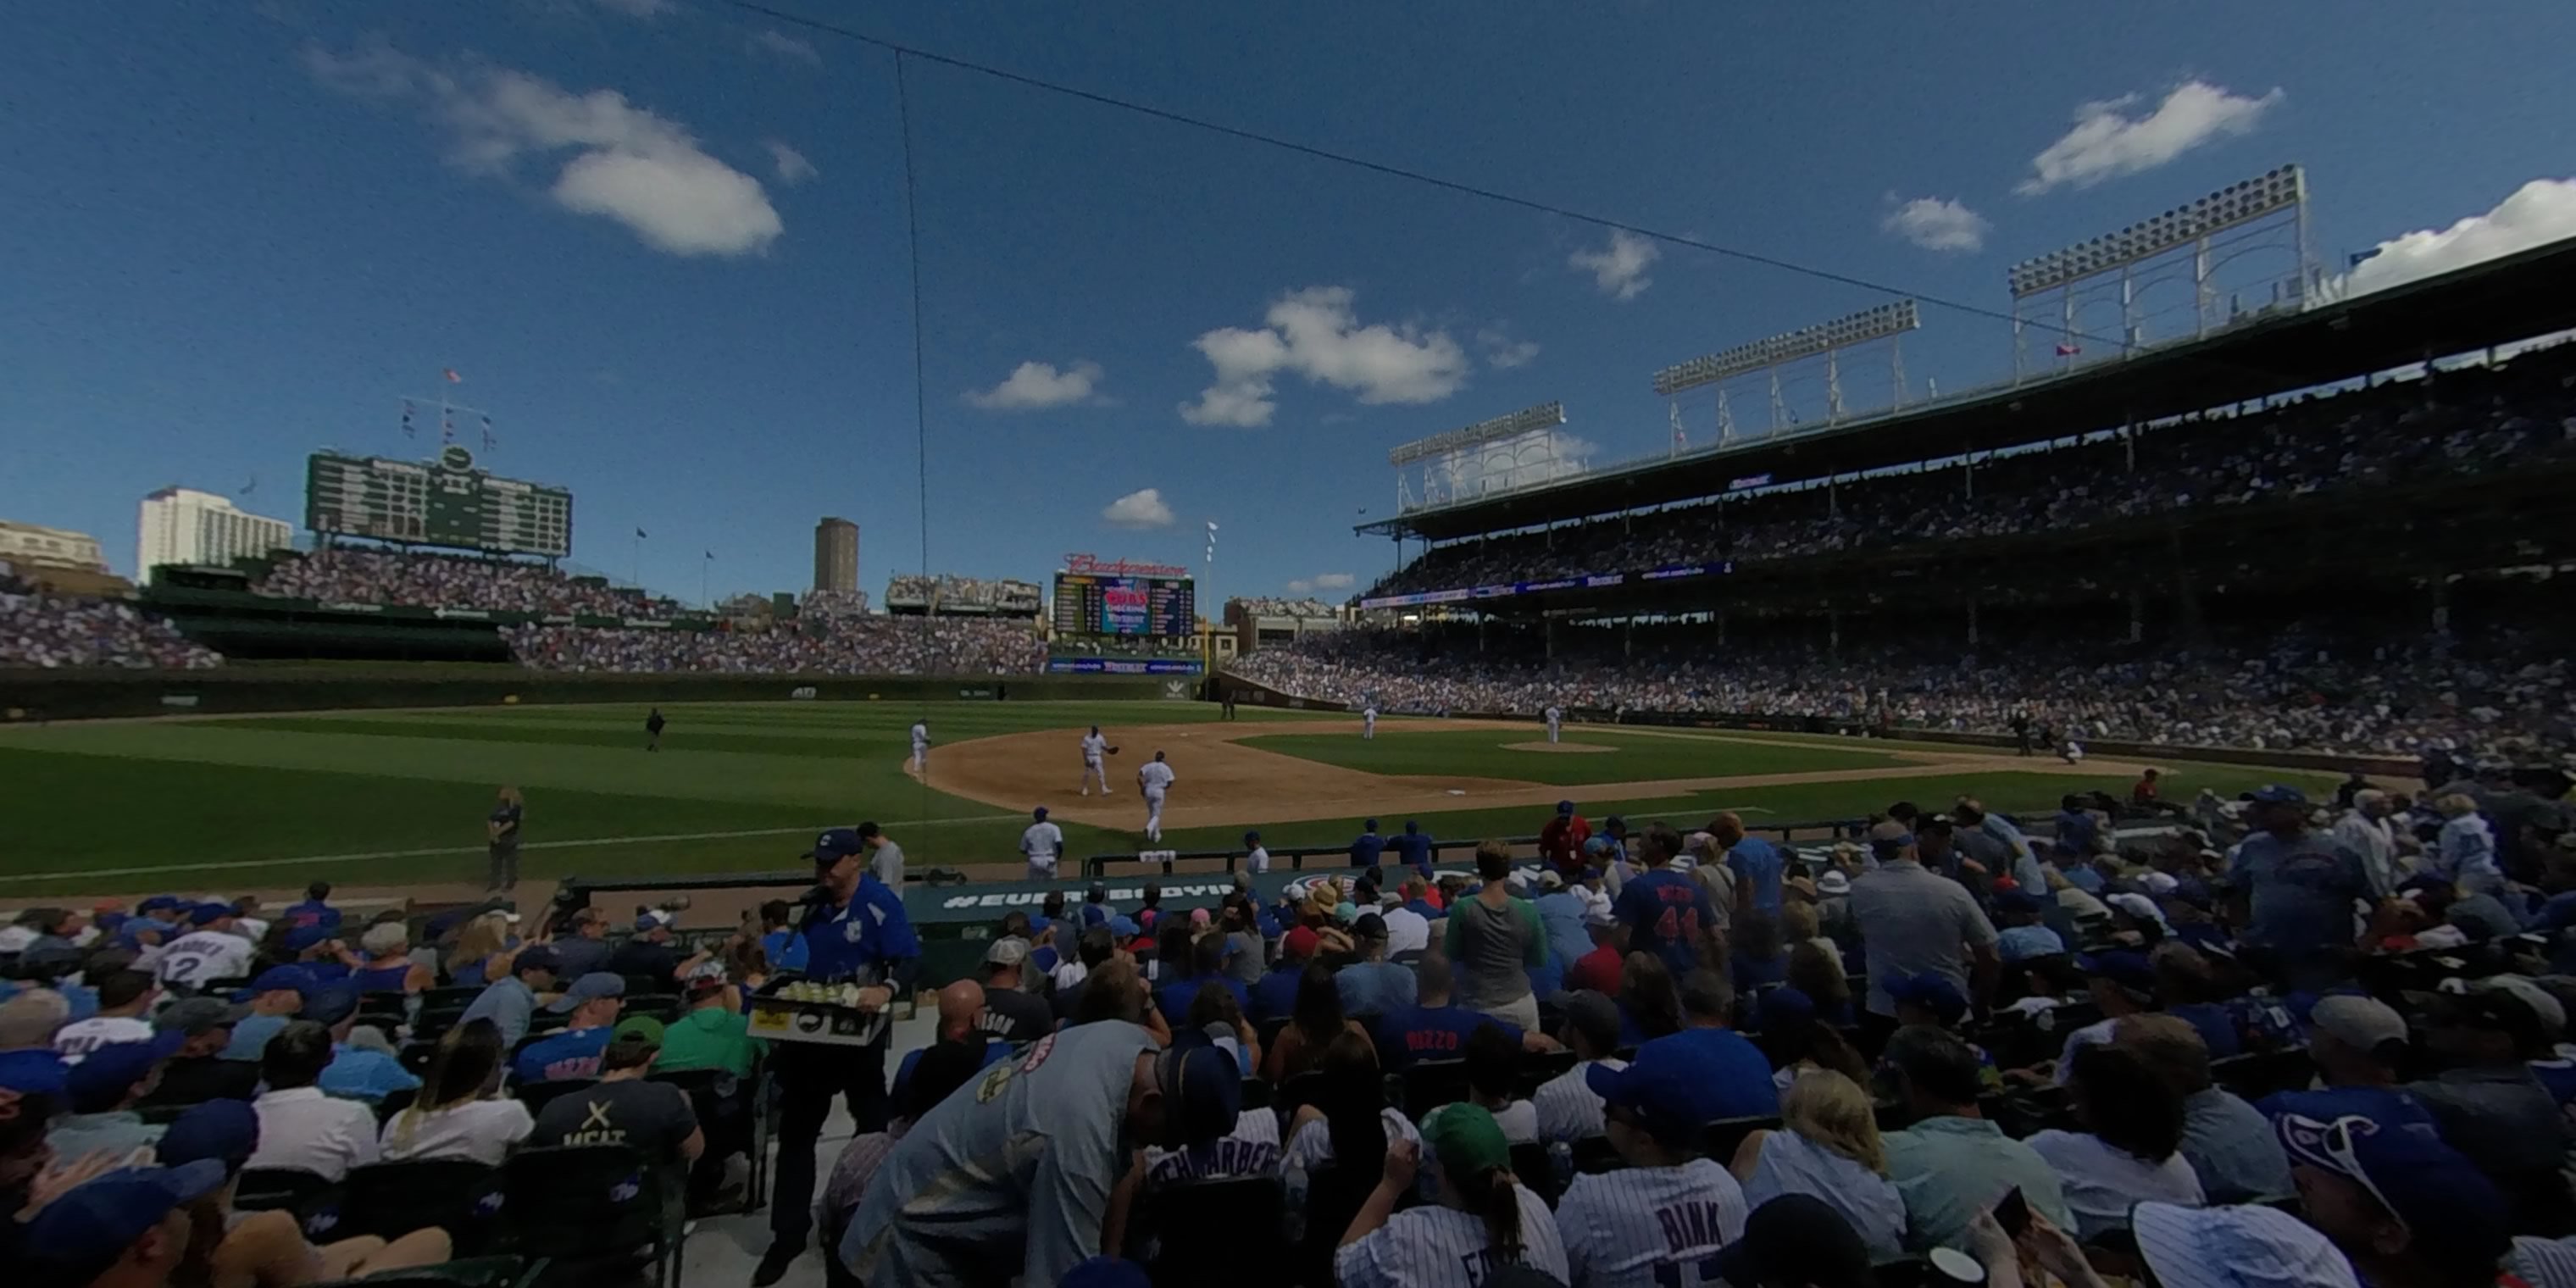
(2103, 1183)
(1438, 1247)
(1312, 1146)
(1069, 972)
(1519, 1121)
(1407, 931)
(198, 956)
(1621, 1228)
(1567, 1109)
(483, 1130)
(76, 1040)
(1155, 776)
(1042, 842)
(1792, 1164)
(312, 1132)
(1258, 861)
(1093, 746)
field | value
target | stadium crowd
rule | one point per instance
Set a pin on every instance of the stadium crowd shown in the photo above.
(842, 646)
(2307, 1045)
(2474, 421)
(948, 592)
(2298, 685)
(41, 629)
(1273, 606)
(418, 579)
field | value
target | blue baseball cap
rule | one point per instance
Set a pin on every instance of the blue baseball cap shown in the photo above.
(835, 845)
(157, 903)
(277, 979)
(31, 1073)
(1675, 1086)
(1106, 1272)
(77, 1237)
(1783, 1008)
(1565, 807)
(224, 1131)
(329, 1004)
(1123, 926)
(2277, 794)
(1203, 1093)
(103, 1076)
(1039, 813)
(1596, 845)
(588, 988)
(2450, 1207)
(2121, 967)
(206, 914)
(1932, 992)
(1893, 845)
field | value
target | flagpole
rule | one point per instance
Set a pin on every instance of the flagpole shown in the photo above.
(702, 578)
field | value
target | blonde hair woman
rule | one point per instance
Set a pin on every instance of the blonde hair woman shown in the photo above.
(483, 950)
(1828, 1147)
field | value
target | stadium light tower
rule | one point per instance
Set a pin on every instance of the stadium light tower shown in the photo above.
(2247, 217)
(1768, 356)
(1488, 456)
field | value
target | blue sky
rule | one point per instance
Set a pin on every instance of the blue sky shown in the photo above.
(663, 240)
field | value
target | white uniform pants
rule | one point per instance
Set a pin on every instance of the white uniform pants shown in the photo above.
(1368, 728)
(1090, 770)
(1153, 813)
(921, 756)
(1041, 869)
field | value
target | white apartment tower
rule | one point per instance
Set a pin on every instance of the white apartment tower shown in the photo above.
(184, 526)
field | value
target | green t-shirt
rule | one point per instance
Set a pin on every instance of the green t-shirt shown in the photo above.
(710, 1037)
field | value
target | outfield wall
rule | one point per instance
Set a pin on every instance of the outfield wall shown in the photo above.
(31, 695)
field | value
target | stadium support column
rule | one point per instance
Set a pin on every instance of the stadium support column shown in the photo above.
(1547, 634)
(1834, 638)
(1628, 644)
(2441, 613)
(1972, 623)
(2137, 616)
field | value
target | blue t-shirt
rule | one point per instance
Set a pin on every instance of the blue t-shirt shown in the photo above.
(2216, 1026)
(571, 1054)
(382, 979)
(1365, 850)
(1371, 989)
(1739, 1076)
(1414, 849)
(250, 1037)
(2302, 889)
(871, 932)
(1757, 863)
(355, 1074)
(1546, 979)
(784, 948)
(1561, 915)
(1432, 1033)
(2021, 943)
(2083, 877)
(2076, 830)
(1174, 998)
(1424, 909)
(1665, 913)
(311, 912)
(1275, 996)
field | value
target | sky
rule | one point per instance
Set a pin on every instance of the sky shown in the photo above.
(664, 242)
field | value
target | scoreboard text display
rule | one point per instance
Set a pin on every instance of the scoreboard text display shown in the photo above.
(445, 502)
(1092, 604)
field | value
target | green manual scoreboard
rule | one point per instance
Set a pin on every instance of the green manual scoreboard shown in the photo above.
(443, 502)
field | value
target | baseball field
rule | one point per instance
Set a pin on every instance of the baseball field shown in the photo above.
(397, 798)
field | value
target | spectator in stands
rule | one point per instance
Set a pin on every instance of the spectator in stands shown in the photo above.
(586, 949)
(1916, 922)
(1658, 1109)
(124, 996)
(197, 1071)
(1347, 1121)
(1599, 969)
(299, 1126)
(943, 1068)
(1568, 1109)
(59, 631)
(1953, 1163)
(778, 938)
(460, 1112)
(2365, 830)
(1829, 1147)
(2130, 1149)
(1650, 1004)
(1011, 1013)
(482, 951)
(1755, 862)
(1373, 986)
(388, 967)
(2189, 990)
(1313, 1026)
(29, 1020)
(1185, 960)
(624, 1108)
(2487, 1102)
(1760, 958)
(1408, 927)
(1493, 1068)
(130, 1226)
(269, 1247)
(2223, 1138)
(2293, 889)
(2020, 936)
(361, 1069)
(1478, 1196)
(1666, 912)
(274, 996)
(647, 953)
(1797, 1041)
(2410, 1210)
(1744, 1087)
(1562, 838)
(510, 1002)
(714, 1033)
(593, 1001)
(2464, 851)
(1098, 946)
(1492, 940)
(2357, 1045)
(101, 1092)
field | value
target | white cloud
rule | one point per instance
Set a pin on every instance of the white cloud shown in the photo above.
(627, 164)
(1938, 223)
(2539, 212)
(1314, 333)
(793, 168)
(645, 9)
(778, 44)
(1141, 509)
(2107, 143)
(1502, 352)
(1035, 385)
(1619, 268)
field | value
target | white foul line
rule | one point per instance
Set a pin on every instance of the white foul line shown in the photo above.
(235, 865)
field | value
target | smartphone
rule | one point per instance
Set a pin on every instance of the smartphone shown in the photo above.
(2012, 1212)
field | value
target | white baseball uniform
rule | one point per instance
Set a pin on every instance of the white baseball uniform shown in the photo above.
(1155, 778)
(1368, 722)
(1093, 748)
(1567, 1109)
(1555, 718)
(190, 960)
(921, 747)
(1633, 1227)
(1439, 1247)
(1258, 861)
(1251, 1149)
(2074, 752)
(1042, 842)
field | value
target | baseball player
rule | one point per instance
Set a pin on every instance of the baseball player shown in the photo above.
(1671, 1209)
(1012, 1176)
(1042, 842)
(1093, 748)
(1154, 778)
(921, 747)
(1368, 722)
(1485, 1219)
(1555, 721)
(1256, 856)
(2072, 753)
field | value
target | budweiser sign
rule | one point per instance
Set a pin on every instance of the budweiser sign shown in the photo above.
(1100, 567)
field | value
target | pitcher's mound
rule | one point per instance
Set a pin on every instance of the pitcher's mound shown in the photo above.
(1556, 746)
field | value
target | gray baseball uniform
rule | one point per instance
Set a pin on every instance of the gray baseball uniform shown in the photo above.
(1638, 1226)
(1011, 1175)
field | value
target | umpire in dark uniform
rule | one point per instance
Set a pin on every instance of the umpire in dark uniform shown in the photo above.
(855, 931)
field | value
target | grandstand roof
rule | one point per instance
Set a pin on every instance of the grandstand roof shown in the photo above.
(2502, 300)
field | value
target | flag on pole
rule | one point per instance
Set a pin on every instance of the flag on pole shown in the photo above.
(446, 428)
(407, 427)
(2069, 350)
(488, 440)
(711, 554)
(452, 377)
(639, 534)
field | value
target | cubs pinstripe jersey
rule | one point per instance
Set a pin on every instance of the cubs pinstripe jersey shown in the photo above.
(1438, 1247)
(1650, 1227)
(1251, 1149)
(1567, 1109)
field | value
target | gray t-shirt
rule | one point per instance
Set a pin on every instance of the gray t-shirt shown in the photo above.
(1492, 949)
(1914, 921)
(652, 1117)
(1009, 1177)
(888, 866)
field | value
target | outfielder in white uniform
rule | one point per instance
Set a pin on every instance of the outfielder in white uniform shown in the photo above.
(1368, 722)
(1485, 1219)
(1256, 857)
(1154, 778)
(1671, 1209)
(1041, 843)
(1555, 722)
(921, 747)
(1093, 748)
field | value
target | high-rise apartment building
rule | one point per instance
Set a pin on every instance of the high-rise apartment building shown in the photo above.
(184, 526)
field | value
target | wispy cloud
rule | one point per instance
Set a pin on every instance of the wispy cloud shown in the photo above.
(1322, 581)
(1502, 351)
(647, 10)
(793, 168)
(1315, 333)
(2107, 142)
(1938, 223)
(1139, 509)
(1033, 386)
(2539, 212)
(773, 43)
(1619, 268)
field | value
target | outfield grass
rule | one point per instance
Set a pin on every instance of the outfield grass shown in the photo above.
(399, 797)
